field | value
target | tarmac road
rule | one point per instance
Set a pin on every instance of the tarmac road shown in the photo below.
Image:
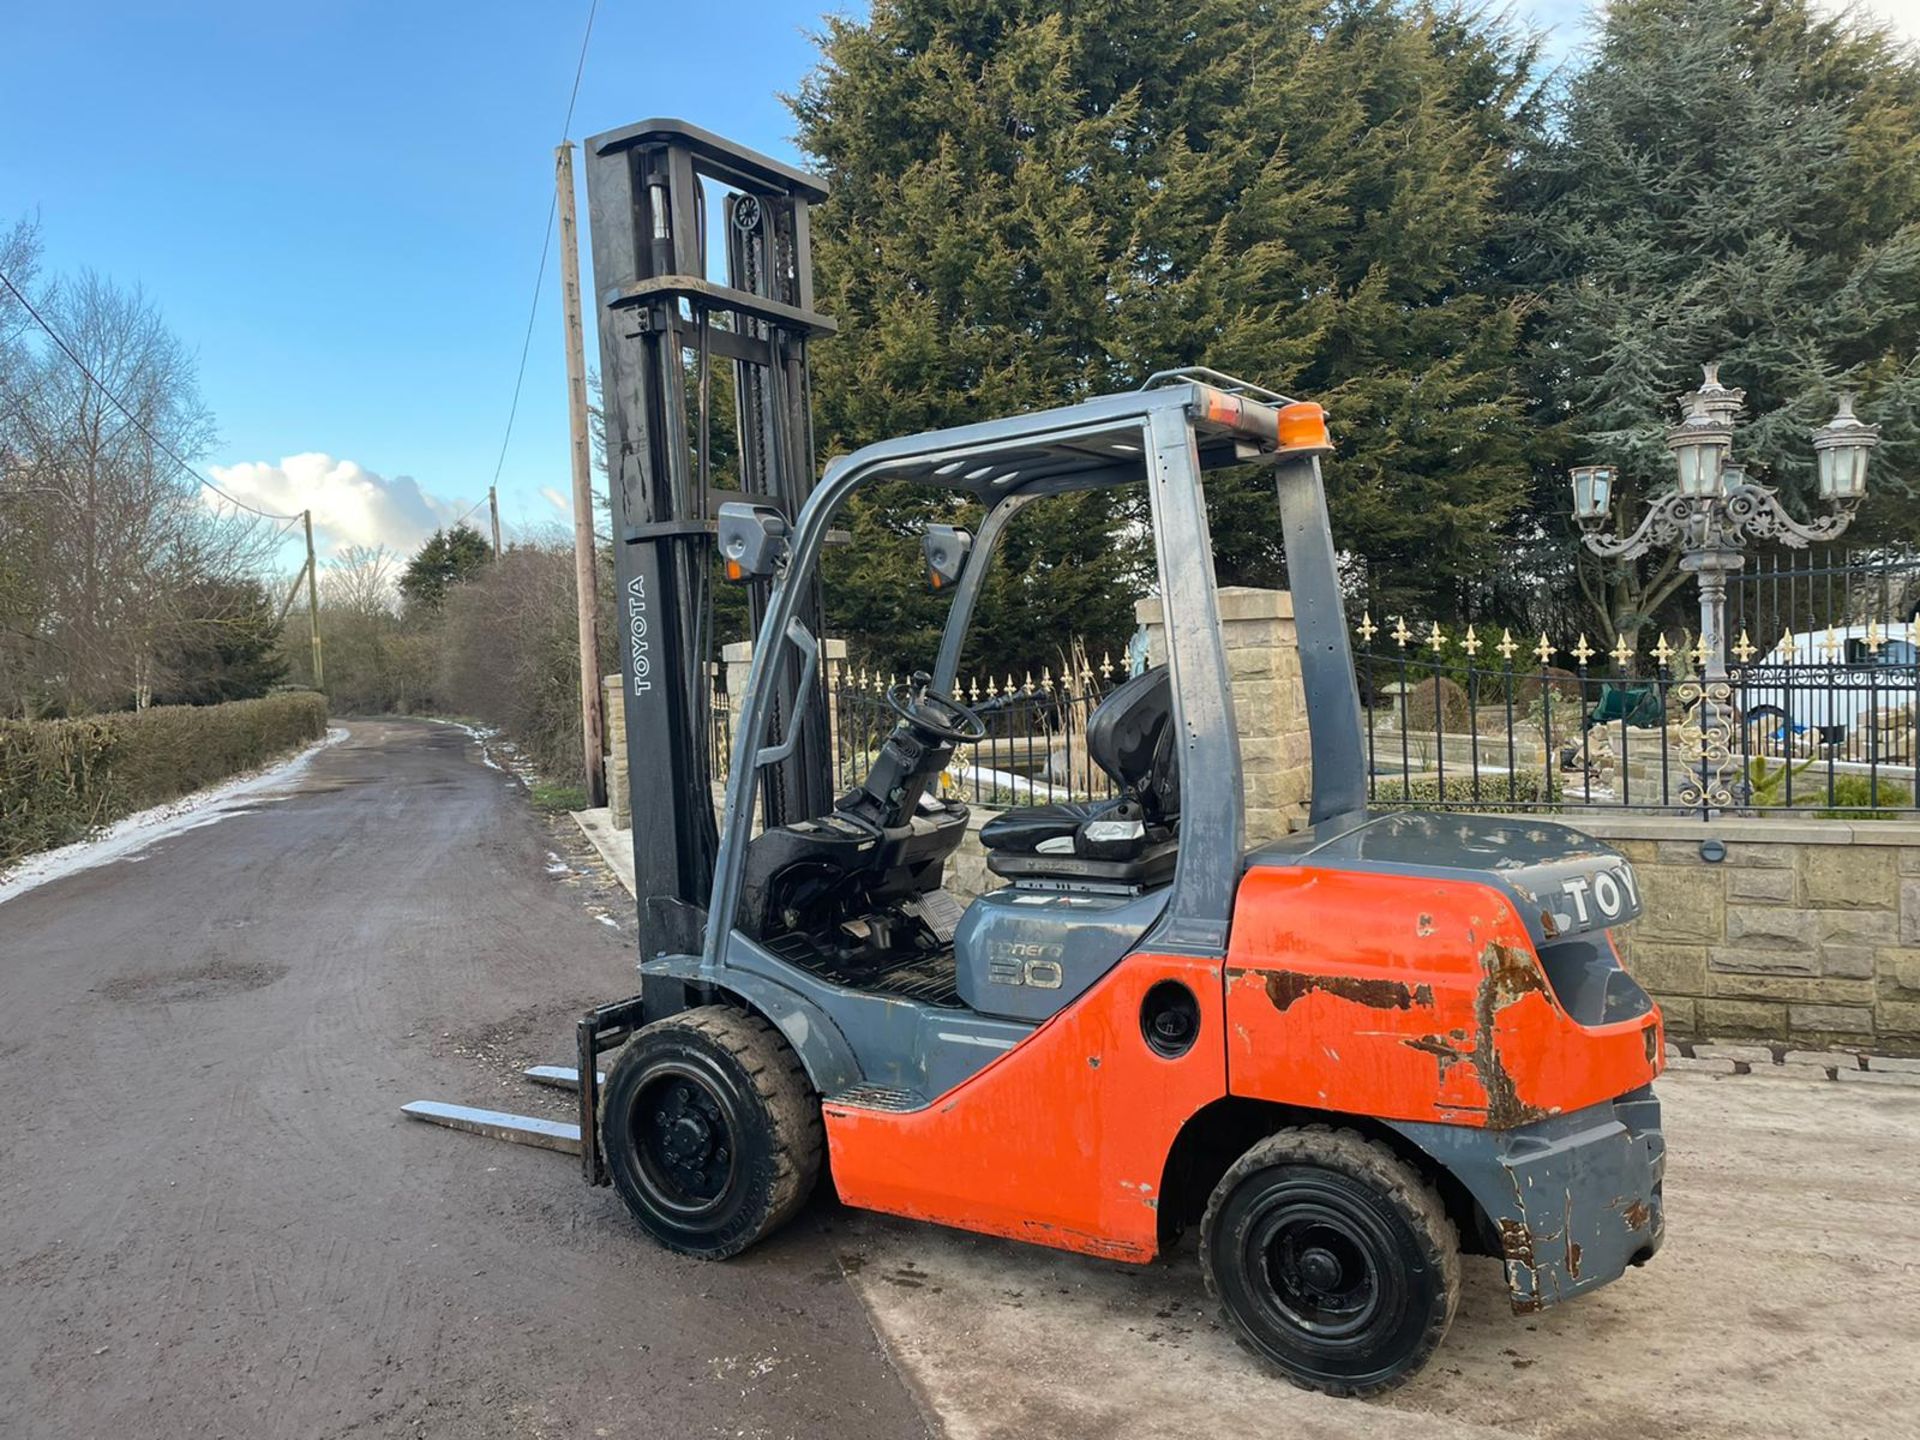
(213, 1222)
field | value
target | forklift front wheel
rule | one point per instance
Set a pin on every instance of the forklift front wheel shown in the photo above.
(712, 1134)
(1332, 1261)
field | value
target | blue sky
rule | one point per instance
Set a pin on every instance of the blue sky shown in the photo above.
(339, 206)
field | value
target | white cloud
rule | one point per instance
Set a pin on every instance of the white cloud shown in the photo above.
(351, 505)
(554, 498)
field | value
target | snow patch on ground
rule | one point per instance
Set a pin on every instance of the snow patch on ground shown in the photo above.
(123, 839)
(487, 737)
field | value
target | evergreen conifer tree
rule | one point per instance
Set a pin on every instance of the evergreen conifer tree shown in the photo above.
(1035, 201)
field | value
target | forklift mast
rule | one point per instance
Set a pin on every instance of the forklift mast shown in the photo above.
(663, 321)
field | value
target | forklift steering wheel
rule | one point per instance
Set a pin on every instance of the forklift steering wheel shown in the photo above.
(934, 712)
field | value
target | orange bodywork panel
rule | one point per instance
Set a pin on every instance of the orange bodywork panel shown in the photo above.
(1409, 998)
(1062, 1140)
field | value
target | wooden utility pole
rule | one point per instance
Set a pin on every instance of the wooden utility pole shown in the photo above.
(592, 728)
(313, 605)
(493, 508)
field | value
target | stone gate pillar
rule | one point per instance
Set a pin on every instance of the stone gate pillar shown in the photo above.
(1269, 701)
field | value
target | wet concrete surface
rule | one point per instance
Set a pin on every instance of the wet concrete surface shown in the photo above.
(213, 1220)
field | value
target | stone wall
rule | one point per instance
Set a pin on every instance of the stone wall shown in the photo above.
(1807, 932)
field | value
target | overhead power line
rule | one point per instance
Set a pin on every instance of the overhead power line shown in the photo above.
(546, 245)
(124, 409)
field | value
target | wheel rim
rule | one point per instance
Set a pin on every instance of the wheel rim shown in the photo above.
(684, 1141)
(1321, 1269)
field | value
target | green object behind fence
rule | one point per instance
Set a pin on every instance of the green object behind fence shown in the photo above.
(1638, 705)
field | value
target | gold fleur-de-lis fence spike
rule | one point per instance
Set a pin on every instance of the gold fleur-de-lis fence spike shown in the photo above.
(1046, 677)
(1700, 650)
(1787, 646)
(1507, 647)
(1744, 648)
(1622, 652)
(1436, 641)
(1011, 687)
(1663, 652)
(1582, 651)
(973, 688)
(1400, 632)
(1367, 628)
(1913, 631)
(1829, 643)
(1543, 649)
(1874, 638)
(1471, 644)
(1028, 687)
(1106, 664)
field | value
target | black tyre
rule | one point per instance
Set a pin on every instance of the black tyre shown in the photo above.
(1332, 1261)
(711, 1132)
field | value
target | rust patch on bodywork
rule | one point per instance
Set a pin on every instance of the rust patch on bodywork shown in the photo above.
(1448, 1055)
(1516, 1242)
(1573, 1259)
(1638, 1214)
(1284, 987)
(1509, 974)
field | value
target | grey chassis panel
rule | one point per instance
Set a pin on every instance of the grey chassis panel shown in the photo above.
(1200, 904)
(1574, 1200)
(1027, 954)
(845, 1037)
(1551, 874)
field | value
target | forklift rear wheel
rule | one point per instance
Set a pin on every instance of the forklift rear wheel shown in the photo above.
(711, 1132)
(1332, 1261)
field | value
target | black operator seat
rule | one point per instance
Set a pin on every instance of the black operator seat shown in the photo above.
(1128, 839)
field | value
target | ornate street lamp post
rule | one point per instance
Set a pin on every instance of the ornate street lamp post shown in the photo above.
(1708, 516)
(1714, 508)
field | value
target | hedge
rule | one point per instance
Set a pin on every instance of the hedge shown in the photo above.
(60, 779)
(1498, 794)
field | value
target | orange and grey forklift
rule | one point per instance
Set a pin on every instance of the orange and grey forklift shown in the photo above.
(1348, 1054)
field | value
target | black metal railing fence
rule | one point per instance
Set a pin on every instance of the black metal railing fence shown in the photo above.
(1459, 720)
(1035, 750)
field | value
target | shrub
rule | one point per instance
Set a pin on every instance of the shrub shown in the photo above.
(1564, 686)
(1853, 797)
(1498, 794)
(1428, 696)
(59, 779)
(507, 651)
